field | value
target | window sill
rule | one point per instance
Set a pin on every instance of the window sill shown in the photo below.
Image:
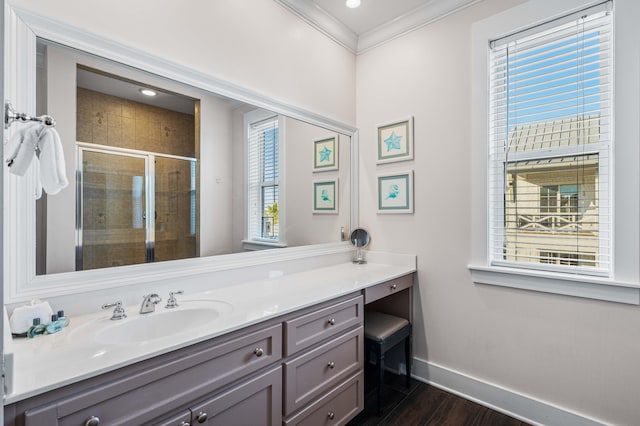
(555, 283)
(261, 245)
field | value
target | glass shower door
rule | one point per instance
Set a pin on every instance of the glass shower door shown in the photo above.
(113, 206)
(176, 219)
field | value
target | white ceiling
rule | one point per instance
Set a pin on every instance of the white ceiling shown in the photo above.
(374, 22)
(371, 14)
(126, 89)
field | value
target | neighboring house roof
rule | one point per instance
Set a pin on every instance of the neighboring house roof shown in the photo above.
(552, 134)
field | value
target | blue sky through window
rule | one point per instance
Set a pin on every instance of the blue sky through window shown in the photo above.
(554, 81)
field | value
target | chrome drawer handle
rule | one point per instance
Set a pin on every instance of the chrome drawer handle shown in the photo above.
(184, 424)
(258, 352)
(331, 364)
(332, 321)
(92, 421)
(201, 417)
(331, 415)
(393, 287)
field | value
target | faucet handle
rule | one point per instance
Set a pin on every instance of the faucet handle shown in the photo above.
(172, 302)
(118, 311)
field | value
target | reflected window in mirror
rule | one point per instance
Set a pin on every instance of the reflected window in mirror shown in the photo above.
(263, 176)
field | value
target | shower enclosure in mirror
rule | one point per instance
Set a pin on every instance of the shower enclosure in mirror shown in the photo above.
(120, 222)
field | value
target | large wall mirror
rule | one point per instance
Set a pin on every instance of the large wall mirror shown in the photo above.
(164, 182)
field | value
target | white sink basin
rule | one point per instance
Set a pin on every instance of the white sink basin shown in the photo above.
(162, 323)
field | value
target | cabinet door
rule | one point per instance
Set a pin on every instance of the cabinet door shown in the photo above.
(257, 401)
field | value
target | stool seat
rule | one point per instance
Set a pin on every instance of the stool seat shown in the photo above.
(379, 326)
(383, 332)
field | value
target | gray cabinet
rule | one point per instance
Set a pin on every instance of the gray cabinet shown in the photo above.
(301, 368)
(162, 388)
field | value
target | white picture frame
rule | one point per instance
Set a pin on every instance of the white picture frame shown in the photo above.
(325, 196)
(325, 153)
(395, 141)
(395, 192)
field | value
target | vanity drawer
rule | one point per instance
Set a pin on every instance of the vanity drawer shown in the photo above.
(321, 369)
(387, 288)
(335, 408)
(307, 330)
(144, 396)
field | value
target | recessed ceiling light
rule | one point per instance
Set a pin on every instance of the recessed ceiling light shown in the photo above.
(148, 92)
(353, 3)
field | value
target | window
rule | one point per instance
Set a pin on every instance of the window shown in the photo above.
(550, 143)
(263, 179)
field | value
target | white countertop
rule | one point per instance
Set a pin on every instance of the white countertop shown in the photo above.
(51, 361)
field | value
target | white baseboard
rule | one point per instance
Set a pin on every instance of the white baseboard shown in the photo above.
(497, 398)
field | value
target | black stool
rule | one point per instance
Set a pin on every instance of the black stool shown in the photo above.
(382, 332)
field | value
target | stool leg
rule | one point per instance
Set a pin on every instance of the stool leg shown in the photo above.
(380, 371)
(407, 358)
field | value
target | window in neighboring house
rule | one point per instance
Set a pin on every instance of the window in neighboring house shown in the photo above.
(550, 144)
(264, 168)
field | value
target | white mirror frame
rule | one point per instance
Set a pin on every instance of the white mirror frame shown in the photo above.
(21, 283)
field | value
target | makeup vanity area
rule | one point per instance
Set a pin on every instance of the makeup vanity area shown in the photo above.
(290, 351)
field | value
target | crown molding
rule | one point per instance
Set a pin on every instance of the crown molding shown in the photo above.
(411, 21)
(317, 17)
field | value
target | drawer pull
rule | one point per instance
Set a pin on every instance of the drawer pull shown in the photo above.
(201, 417)
(332, 321)
(258, 352)
(92, 421)
(393, 287)
(331, 415)
(184, 424)
(331, 364)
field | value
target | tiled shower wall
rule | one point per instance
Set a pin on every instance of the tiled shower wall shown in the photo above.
(112, 121)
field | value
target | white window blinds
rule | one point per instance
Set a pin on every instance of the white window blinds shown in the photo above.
(550, 136)
(263, 177)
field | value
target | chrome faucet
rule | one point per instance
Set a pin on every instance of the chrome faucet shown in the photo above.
(149, 303)
(172, 302)
(118, 312)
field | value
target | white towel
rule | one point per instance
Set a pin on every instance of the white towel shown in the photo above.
(21, 147)
(50, 166)
(53, 173)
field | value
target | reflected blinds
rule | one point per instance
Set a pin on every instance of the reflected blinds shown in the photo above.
(264, 166)
(550, 143)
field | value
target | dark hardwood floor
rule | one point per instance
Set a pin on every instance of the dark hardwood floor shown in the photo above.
(422, 404)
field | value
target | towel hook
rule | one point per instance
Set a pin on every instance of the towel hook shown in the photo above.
(11, 115)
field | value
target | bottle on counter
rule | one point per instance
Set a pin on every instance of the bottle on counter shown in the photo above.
(36, 329)
(55, 325)
(64, 320)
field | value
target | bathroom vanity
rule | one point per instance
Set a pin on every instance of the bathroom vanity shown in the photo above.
(292, 354)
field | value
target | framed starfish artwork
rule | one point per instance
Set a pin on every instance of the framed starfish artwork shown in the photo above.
(325, 154)
(395, 141)
(395, 192)
(325, 196)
